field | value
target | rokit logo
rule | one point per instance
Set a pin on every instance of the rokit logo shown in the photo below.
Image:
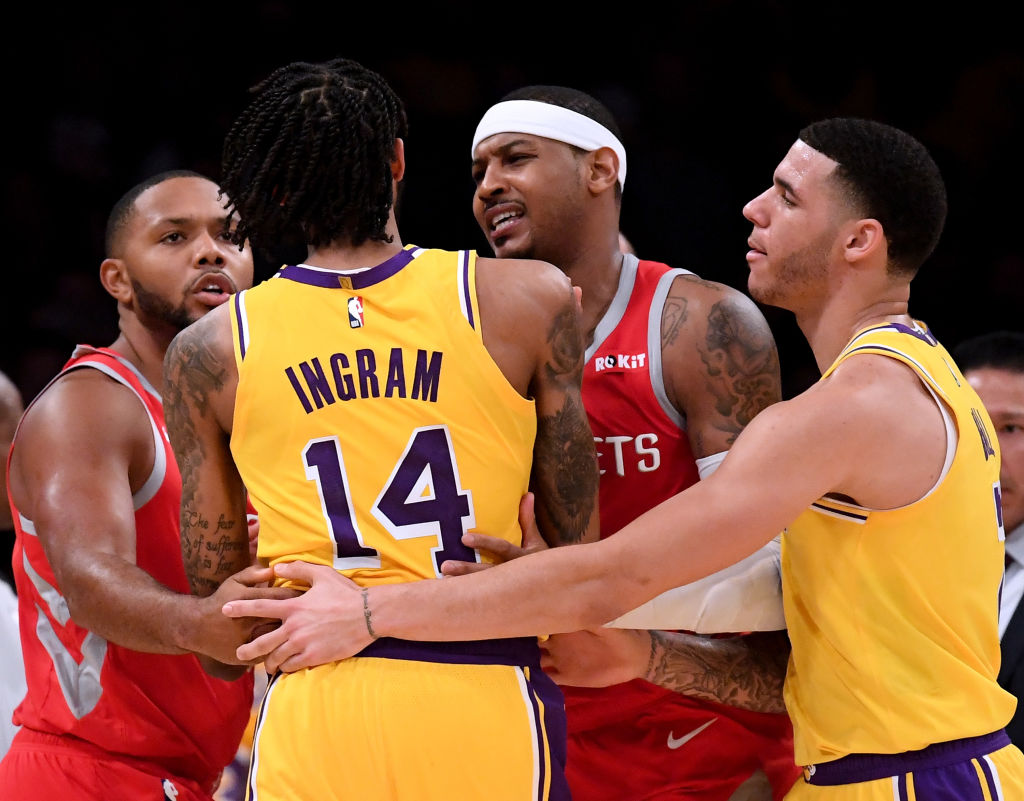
(620, 361)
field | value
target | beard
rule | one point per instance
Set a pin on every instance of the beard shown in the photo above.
(799, 270)
(157, 312)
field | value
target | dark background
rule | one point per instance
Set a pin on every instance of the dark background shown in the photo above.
(709, 95)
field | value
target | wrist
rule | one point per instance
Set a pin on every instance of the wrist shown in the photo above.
(368, 613)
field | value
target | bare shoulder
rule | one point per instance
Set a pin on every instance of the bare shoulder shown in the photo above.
(719, 360)
(84, 418)
(526, 286)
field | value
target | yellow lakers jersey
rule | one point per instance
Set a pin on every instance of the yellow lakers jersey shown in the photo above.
(372, 428)
(893, 614)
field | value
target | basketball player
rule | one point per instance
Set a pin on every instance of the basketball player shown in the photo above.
(115, 702)
(675, 368)
(378, 401)
(884, 475)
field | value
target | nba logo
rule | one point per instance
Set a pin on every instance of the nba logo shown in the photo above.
(355, 312)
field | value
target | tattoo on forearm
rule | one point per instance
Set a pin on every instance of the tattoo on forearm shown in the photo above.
(744, 671)
(566, 461)
(190, 375)
(742, 366)
(367, 615)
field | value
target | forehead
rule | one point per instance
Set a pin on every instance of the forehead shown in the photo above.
(178, 199)
(997, 385)
(805, 168)
(507, 141)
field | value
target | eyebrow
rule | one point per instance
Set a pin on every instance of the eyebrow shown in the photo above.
(505, 148)
(786, 186)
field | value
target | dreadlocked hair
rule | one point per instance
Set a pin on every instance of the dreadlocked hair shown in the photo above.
(309, 159)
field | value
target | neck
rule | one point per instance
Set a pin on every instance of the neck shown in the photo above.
(143, 349)
(342, 255)
(829, 331)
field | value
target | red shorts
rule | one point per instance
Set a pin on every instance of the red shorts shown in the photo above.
(692, 751)
(44, 767)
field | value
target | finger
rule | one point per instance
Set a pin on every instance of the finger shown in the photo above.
(500, 549)
(308, 572)
(255, 607)
(258, 649)
(528, 522)
(577, 291)
(453, 567)
(254, 574)
(270, 593)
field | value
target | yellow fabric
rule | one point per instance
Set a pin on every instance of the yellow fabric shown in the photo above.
(355, 467)
(391, 730)
(893, 614)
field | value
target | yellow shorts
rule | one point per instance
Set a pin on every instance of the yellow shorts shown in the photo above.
(381, 727)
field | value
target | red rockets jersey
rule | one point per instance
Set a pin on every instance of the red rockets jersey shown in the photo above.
(643, 451)
(644, 457)
(162, 709)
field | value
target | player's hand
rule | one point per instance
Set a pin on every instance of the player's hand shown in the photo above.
(216, 636)
(498, 549)
(323, 624)
(596, 657)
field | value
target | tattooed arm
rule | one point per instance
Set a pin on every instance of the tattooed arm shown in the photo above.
(199, 392)
(719, 359)
(745, 672)
(530, 322)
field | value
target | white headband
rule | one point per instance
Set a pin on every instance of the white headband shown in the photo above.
(551, 122)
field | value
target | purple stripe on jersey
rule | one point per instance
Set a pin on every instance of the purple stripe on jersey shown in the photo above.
(515, 652)
(901, 788)
(328, 279)
(544, 690)
(241, 328)
(924, 337)
(990, 780)
(868, 767)
(465, 288)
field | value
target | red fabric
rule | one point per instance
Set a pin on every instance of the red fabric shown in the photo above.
(619, 736)
(159, 708)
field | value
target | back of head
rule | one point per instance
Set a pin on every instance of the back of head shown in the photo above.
(1002, 350)
(890, 176)
(309, 158)
(122, 210)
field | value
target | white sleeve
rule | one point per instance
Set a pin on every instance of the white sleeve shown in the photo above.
(746, 596)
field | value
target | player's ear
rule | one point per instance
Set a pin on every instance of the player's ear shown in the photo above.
(602, 169)
(865, 239)
(398, 162)
(114, 277)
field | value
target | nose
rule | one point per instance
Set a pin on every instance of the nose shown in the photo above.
(492, 182)
(753, 210)
(209, 250)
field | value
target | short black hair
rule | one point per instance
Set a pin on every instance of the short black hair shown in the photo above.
(890, 176)
(309, 159)
(125, 206)
(1003, 350)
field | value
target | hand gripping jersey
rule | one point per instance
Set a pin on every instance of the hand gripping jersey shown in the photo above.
(162, 712)
(372, 429)
(675, 746)
(893, 614)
